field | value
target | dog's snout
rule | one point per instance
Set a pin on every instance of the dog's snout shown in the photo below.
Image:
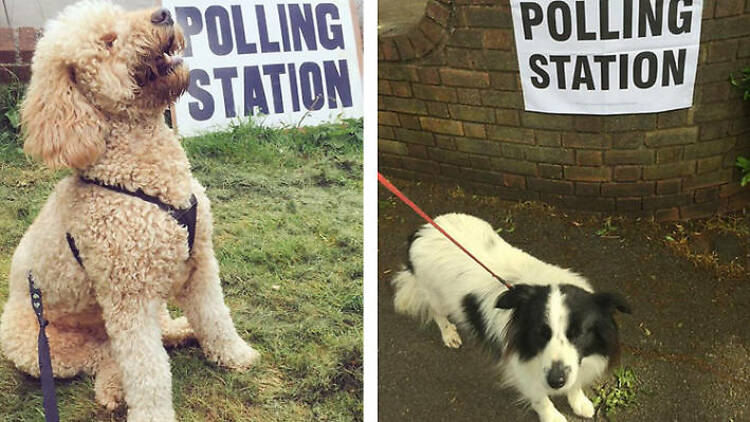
(162, 17)
(557, 375)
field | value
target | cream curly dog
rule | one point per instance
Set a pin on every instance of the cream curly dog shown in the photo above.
(101, 80)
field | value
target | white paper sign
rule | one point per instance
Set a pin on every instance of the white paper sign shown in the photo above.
(285, 61)
(607, 56)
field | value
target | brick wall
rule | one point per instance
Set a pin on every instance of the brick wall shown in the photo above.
(451, 109)
(16, 49)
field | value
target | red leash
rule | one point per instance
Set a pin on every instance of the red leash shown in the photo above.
(388, 185)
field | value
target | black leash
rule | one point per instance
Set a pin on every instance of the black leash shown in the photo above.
(49, 398)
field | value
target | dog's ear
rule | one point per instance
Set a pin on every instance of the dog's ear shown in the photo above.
(514, 297)
(611, 301)
(59, 124)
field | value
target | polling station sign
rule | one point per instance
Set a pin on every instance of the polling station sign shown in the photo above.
(607, 57)
(285, 61)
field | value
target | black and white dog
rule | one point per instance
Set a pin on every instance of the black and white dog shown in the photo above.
(551, 333)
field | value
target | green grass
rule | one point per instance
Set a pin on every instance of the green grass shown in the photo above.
(287, 206)
(616, 393)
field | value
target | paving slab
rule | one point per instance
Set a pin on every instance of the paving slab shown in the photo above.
(688, 341)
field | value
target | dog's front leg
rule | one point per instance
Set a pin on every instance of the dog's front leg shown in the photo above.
(580, 404)
(132, 323)
(202, 301)
(544, 407)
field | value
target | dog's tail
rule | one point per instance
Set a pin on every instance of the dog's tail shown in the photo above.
(409, 298)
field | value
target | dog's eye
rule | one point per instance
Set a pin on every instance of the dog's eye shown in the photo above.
(109, 39)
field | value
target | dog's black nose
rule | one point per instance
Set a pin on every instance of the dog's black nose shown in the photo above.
(557, 375)
(162, 17)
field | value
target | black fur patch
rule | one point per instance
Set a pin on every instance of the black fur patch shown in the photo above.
(412, 237)
(591, 326)
(474, 316)
(471, 304)
(527, 332)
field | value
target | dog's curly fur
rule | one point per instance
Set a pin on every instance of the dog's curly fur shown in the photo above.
(100, 84)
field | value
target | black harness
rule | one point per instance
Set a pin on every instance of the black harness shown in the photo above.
(185, 217)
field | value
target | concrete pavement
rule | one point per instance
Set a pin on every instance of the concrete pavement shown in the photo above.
(688, 341)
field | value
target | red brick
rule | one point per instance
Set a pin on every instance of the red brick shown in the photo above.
(585, 140)
(547, 138)
(27, 38)
(469, 96)
(551, 186)
(409, 121)
(706, 165)
(550, 171)
(438, 12)
(384, 87)
(419, 41)
(392, 147)
(627, 173)
(405, 49)
(729, 7)
(401, 88)
(474, 130)
(665, 171)
(447, 156)
(389, 50)
(668, 214)
(466, 78)
(628, 189)
(450, 127)
(698, 210)
(432, 30)
(589, 158)
(429, 75)
(588, 174)
(7, 46)
(501, 39)
(667, 201)
(507, 117)
(478, 146)
(626, 156)
(730, 189)
(667, 187)
(514, 181)
(666, 137)
(388, 118)
(588, 189)
(629, 204)
(706, 195)
(669, 155)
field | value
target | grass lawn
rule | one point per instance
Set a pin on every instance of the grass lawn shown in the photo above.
(287, 207)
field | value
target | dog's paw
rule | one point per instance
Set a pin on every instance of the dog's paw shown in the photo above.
(238, 356)
(451, 338)
(581, 405)
(552, 416)
(175, 332)
(109, 393)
